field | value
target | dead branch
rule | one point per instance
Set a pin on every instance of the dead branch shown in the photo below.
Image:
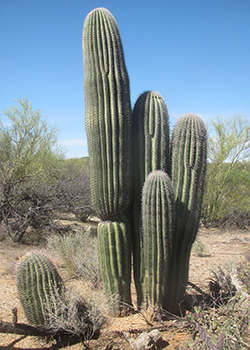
(21, 329)
(59, 334)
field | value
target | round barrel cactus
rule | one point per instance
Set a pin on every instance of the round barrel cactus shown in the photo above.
(39, 287)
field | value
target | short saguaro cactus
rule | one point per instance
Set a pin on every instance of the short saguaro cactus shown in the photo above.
(39, 287)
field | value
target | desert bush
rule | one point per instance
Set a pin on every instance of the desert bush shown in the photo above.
(227, 179)
(36, 182)
(228, 323)
(71, 189)
(199, 247)
(79, 253)
(75, 316)
(28, 152)
(244, 275)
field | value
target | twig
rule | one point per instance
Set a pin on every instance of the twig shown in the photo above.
(138, 312)
(204, 294)
(239, 341)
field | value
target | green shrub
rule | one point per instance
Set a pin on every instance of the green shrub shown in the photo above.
(199, 247)
(227, 179)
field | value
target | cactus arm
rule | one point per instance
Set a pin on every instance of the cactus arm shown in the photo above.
(151, 152)
(188, 155)
(158, 215)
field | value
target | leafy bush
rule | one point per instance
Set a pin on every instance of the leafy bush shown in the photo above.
(28, 153)
(227, 187)
(36, 182)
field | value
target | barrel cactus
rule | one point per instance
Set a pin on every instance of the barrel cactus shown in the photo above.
(158, 217)
(109, 130)
(39, 287)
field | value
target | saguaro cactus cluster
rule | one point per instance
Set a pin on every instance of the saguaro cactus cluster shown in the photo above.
(146, 189)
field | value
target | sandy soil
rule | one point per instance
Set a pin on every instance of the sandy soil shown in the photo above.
(221, 248)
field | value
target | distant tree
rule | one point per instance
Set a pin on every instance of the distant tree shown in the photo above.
(37, 183)
(28, 154)
(229, 144)
(72, 189)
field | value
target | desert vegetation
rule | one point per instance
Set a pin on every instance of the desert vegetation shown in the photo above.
(46, 196)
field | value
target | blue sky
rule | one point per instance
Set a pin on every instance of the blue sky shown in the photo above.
(195, 53)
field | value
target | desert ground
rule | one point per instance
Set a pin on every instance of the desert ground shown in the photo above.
(221, 249)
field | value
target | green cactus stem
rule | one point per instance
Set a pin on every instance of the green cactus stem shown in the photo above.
(151, 152)
(108, 115)
(109, 133)
(115, 258)
(158, 214)
(189, 158)
(39, 287)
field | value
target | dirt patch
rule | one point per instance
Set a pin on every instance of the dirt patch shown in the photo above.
(221, 248)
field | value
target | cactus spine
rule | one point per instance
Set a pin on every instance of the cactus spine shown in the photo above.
(189, 157)
(158, 216)
(39, 287)
(151, 152)
(109, 132)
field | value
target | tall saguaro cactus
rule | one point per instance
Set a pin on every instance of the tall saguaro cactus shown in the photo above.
(109, 132)
(188, 163)
(151, 152)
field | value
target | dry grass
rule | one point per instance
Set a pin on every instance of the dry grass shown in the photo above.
(79, 253)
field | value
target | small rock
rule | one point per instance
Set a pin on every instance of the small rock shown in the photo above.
(148, 341)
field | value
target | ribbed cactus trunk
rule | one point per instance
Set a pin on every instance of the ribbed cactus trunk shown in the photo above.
(189, 157)
(158, 216)
(115, 257)
(39, 287)
(151, 152)
(109, 128)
